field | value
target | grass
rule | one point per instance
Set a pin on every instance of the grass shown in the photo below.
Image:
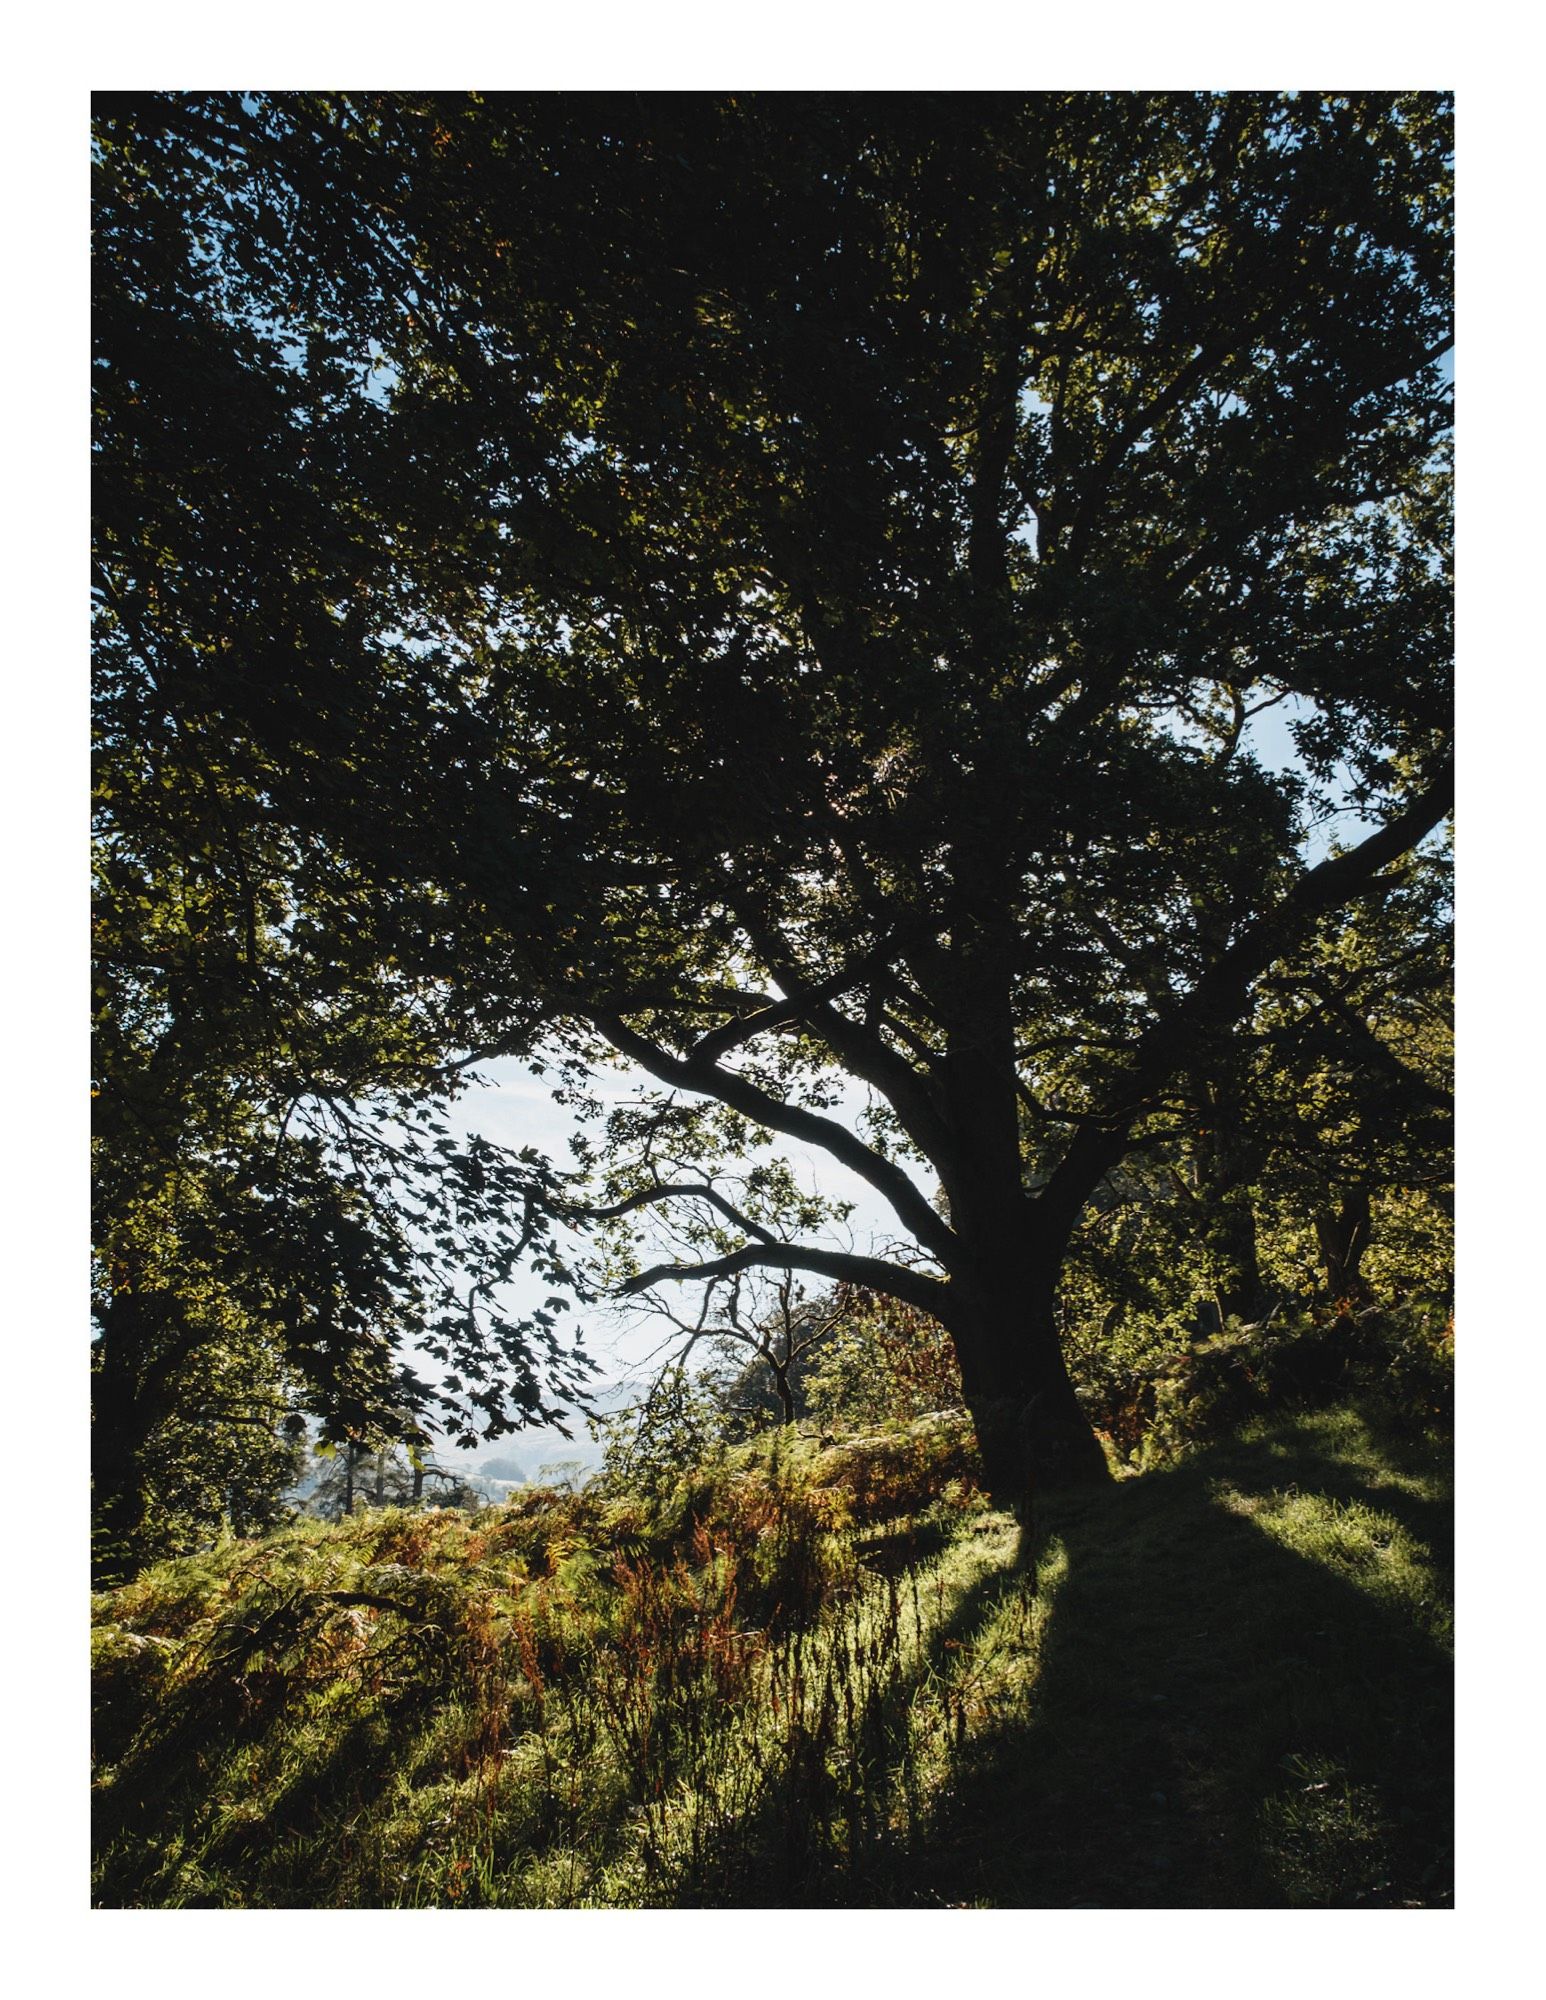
(1243, 1695)
(805, 1678)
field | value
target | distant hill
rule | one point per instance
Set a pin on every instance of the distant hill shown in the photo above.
(505, 1469)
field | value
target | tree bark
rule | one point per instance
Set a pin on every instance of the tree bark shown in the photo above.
(1343, 1238)
(1226, 1164)
(1031, 1429)
(1009, 1251)
(1231, 1237)
(120, 1429)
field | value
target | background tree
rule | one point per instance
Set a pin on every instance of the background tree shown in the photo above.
(281, 1213)
(1357, 1107)
(797, 577)
(510, 1470)
(1338, 1097)
(380, 1472)
(768, 1338)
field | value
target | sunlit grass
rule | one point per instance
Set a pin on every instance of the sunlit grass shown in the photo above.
(804, 1679)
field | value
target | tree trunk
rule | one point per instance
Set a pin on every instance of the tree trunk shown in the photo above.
(1231, 1237)
(1343, 1238)
(1031, 1429)
(1226, 1163)
(117, 1491)
(121, 1422)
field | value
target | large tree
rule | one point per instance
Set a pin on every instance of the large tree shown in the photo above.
(794, 584)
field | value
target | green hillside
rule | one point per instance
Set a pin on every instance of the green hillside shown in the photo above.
(811, 1673)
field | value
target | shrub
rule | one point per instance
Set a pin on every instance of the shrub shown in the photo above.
(883, 1362)
(903, 1468)
(1404, 1357)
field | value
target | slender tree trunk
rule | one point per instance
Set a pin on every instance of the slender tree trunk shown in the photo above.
(1226, 1163)
(1343, 1237)
(117, 1492)
(1232, 1238)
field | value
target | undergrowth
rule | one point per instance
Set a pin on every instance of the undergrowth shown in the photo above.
(804, 1674)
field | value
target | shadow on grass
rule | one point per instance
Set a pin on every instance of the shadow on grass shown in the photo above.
(157, 1842)
(1241, 1697)
(160, 1849)
(1220, 1720)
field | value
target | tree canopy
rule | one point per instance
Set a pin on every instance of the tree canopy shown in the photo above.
(782, 588)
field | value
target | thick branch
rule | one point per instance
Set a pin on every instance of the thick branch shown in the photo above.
(670, 1191)
(708, 1080)
(768, 1015)
(858, 1047)
(1384, 1058)
(1220, 994)
(873, 1274)
(995, 441)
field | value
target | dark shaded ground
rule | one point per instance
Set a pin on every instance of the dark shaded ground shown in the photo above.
(1223, 1720)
